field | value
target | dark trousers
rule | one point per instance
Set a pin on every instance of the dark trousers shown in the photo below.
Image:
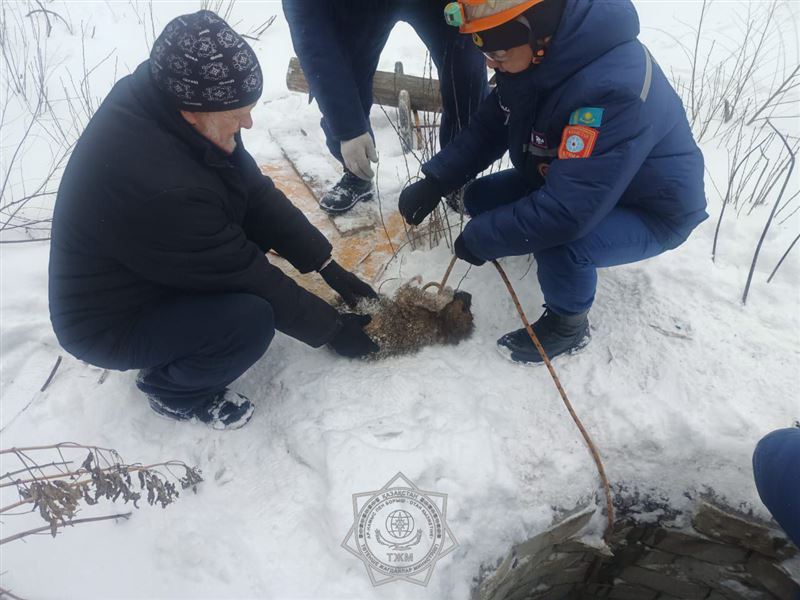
(461, 66)
(568, 273)
(188, 347)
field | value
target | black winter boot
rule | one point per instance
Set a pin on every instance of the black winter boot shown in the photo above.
(558, 334)
(226, 410)
(346, 194)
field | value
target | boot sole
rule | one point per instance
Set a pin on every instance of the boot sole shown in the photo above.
(360, 198)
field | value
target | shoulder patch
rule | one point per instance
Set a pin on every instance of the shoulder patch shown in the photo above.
(577, 141)
(591, 116)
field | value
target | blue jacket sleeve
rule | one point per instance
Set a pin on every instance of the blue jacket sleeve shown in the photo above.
(326, 67)
(473, 149)
(577, 193)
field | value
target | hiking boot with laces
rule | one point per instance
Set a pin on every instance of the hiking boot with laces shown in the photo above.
(349, 191)
(558, 334)
(225, 410)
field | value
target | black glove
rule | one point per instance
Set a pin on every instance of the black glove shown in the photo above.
(418, 200)
(464, 253)
(350, 340)
(349, 287)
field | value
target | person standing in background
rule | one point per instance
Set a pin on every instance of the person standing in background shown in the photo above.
(339, 44)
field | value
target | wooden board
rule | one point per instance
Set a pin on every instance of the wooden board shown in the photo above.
(423, 91)
(365, 252)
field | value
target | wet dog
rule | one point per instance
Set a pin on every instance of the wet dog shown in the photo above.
(415, 318)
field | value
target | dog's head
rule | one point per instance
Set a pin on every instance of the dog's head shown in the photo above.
(456, 318)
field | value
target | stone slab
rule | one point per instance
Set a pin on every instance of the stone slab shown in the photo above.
(628, 591)
(710, 574)
(772, 577)
(656, 558)
(731, 527)
(559, 592)
(686, 544)
(660, 582)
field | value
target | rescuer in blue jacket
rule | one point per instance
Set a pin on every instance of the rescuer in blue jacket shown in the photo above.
(606, 171)
(339, 43)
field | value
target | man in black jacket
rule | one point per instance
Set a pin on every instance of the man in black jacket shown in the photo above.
(161, 226)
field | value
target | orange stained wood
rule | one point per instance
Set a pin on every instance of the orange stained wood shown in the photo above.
(365, 252)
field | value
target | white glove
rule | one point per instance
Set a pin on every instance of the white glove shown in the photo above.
(357, 154)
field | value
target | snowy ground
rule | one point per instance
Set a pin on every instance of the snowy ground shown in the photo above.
(670, 414)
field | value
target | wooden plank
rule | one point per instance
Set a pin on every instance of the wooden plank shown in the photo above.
(386, 87)
(365, 252)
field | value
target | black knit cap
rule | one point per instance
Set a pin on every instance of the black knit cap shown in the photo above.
(203, 65)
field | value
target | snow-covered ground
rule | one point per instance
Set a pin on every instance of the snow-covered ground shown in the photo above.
(670, 413)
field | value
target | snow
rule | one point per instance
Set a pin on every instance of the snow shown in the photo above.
(677, 386)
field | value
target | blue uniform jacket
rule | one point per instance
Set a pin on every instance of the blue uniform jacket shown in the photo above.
(644, 155)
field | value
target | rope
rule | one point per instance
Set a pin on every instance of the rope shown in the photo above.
(444, 279)
(586, 437)
(592, 448)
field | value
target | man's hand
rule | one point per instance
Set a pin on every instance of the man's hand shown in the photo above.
(357, 154)
(351, 341)
(418, 200)
(464, 253)
(348, 286)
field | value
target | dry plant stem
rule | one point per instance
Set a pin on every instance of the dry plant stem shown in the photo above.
(25, 470)
(44, 528)
(738, 164)
(16, 450)
(81, 472)
(4, 593)
(780, 91)
(587, 438)
(771, 214)
(52, 374)
(780, 262)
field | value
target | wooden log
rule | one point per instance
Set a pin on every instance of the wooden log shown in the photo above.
(424, 93)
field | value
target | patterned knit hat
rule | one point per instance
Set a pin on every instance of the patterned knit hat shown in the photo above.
(203, 65)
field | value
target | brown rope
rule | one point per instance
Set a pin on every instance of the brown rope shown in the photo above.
(567, 403)
(444, 279)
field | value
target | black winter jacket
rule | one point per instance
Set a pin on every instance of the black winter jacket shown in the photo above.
(148, 208)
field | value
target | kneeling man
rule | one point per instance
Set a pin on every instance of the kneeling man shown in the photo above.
(161, 226)
(606, 171)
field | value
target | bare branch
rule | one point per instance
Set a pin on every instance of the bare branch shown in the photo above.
(772, 214)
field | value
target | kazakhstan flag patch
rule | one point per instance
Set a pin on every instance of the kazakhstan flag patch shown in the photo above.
(588, 116)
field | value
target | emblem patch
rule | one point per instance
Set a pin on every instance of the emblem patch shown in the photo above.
(587, 115)
(538, 139)
(577, 141)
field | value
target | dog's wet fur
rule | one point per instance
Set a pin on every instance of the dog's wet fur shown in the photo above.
(415, 318)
